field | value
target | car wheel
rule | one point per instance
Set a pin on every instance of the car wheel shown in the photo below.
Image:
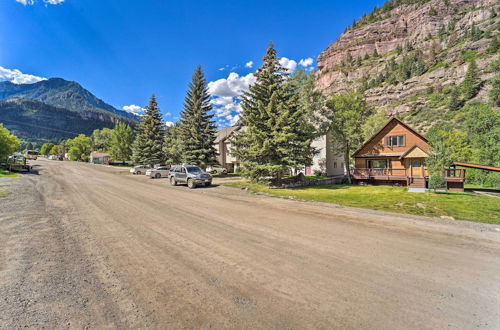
(157, 175)
(172, 181)
(191, 184)
(138, 172)
(208, 184)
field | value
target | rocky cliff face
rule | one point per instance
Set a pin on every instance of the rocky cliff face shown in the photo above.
(441, 37)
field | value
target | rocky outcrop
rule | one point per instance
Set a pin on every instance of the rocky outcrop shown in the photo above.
(349, 61)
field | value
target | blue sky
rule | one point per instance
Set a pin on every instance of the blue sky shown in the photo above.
(125, 50)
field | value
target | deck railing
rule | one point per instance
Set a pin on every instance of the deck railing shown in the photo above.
(402, 172)
(367, 172)
(454, 173)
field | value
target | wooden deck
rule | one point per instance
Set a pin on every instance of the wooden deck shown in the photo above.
(453, 177)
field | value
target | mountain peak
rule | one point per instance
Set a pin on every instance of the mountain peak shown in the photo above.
(62, 93)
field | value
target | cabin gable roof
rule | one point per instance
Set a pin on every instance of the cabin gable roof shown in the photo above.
(364, 150)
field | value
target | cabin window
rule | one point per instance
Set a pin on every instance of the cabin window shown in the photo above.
(377, 163)
(415, 163)
(395, 141)
(335, 165)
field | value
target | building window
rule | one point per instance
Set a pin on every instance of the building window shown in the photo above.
(335, 165)
(395, 141)
(377, 163)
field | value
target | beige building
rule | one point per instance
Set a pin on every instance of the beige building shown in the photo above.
(326, 161)
(223, 147)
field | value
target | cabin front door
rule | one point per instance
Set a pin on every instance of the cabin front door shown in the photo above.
(414, 166)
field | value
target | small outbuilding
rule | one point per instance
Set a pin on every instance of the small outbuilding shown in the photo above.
(99, 158)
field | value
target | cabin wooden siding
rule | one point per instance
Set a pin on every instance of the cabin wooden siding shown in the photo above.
(378, 149)
(377, 144)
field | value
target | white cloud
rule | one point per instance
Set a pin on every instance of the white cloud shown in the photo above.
(291, 65)
(233, 85)
(32, 2)
(17, 77)
(169, 123)
(135, 109)
(226, 96)
(305, 62)
(249, 64)
(168, 114)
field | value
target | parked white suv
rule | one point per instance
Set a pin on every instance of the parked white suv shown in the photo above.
(140, 169)
(159, 172)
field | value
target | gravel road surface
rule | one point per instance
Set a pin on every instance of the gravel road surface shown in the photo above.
(90, 246)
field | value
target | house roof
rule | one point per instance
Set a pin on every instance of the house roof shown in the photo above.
(383, 127)
(99, 154)
(478, 166)
(386, 154)
(224, 133)
(407, 152)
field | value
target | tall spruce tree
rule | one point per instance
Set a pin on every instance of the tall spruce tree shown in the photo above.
(274, 138)
(472, 83)
(197, 129)
(148, 145)
(172, 148)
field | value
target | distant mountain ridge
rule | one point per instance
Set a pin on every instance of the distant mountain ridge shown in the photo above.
(60, 93)
(55, 109)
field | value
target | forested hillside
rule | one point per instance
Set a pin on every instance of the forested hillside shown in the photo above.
(55, 109)
(36, 121)
(433, 63)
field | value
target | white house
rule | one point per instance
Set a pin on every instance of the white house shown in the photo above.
(326, 161)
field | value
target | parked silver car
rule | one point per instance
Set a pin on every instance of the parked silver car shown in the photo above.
(216, 170)
(159, 172)
(190, 174)
(140, 169)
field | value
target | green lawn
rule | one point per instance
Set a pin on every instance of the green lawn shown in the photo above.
(235, 175)
(7, 174)
(120, 165)
(463, 206)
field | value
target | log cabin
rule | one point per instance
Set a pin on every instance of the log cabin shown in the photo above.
(396, 155)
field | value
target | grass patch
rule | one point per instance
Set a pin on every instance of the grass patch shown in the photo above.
(469, 55)
(7, 174)
(440, 64)
(234, 175)
(120, 165)
(463, 206)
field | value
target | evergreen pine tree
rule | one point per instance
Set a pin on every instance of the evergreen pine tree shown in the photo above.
(494, 45)
(455, 102)
(197, 128)
(471, 84)
(275, 137)
(494, 93)
(149, 142)
(172, 148)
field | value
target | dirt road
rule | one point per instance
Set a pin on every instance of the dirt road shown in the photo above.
(88, 246)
